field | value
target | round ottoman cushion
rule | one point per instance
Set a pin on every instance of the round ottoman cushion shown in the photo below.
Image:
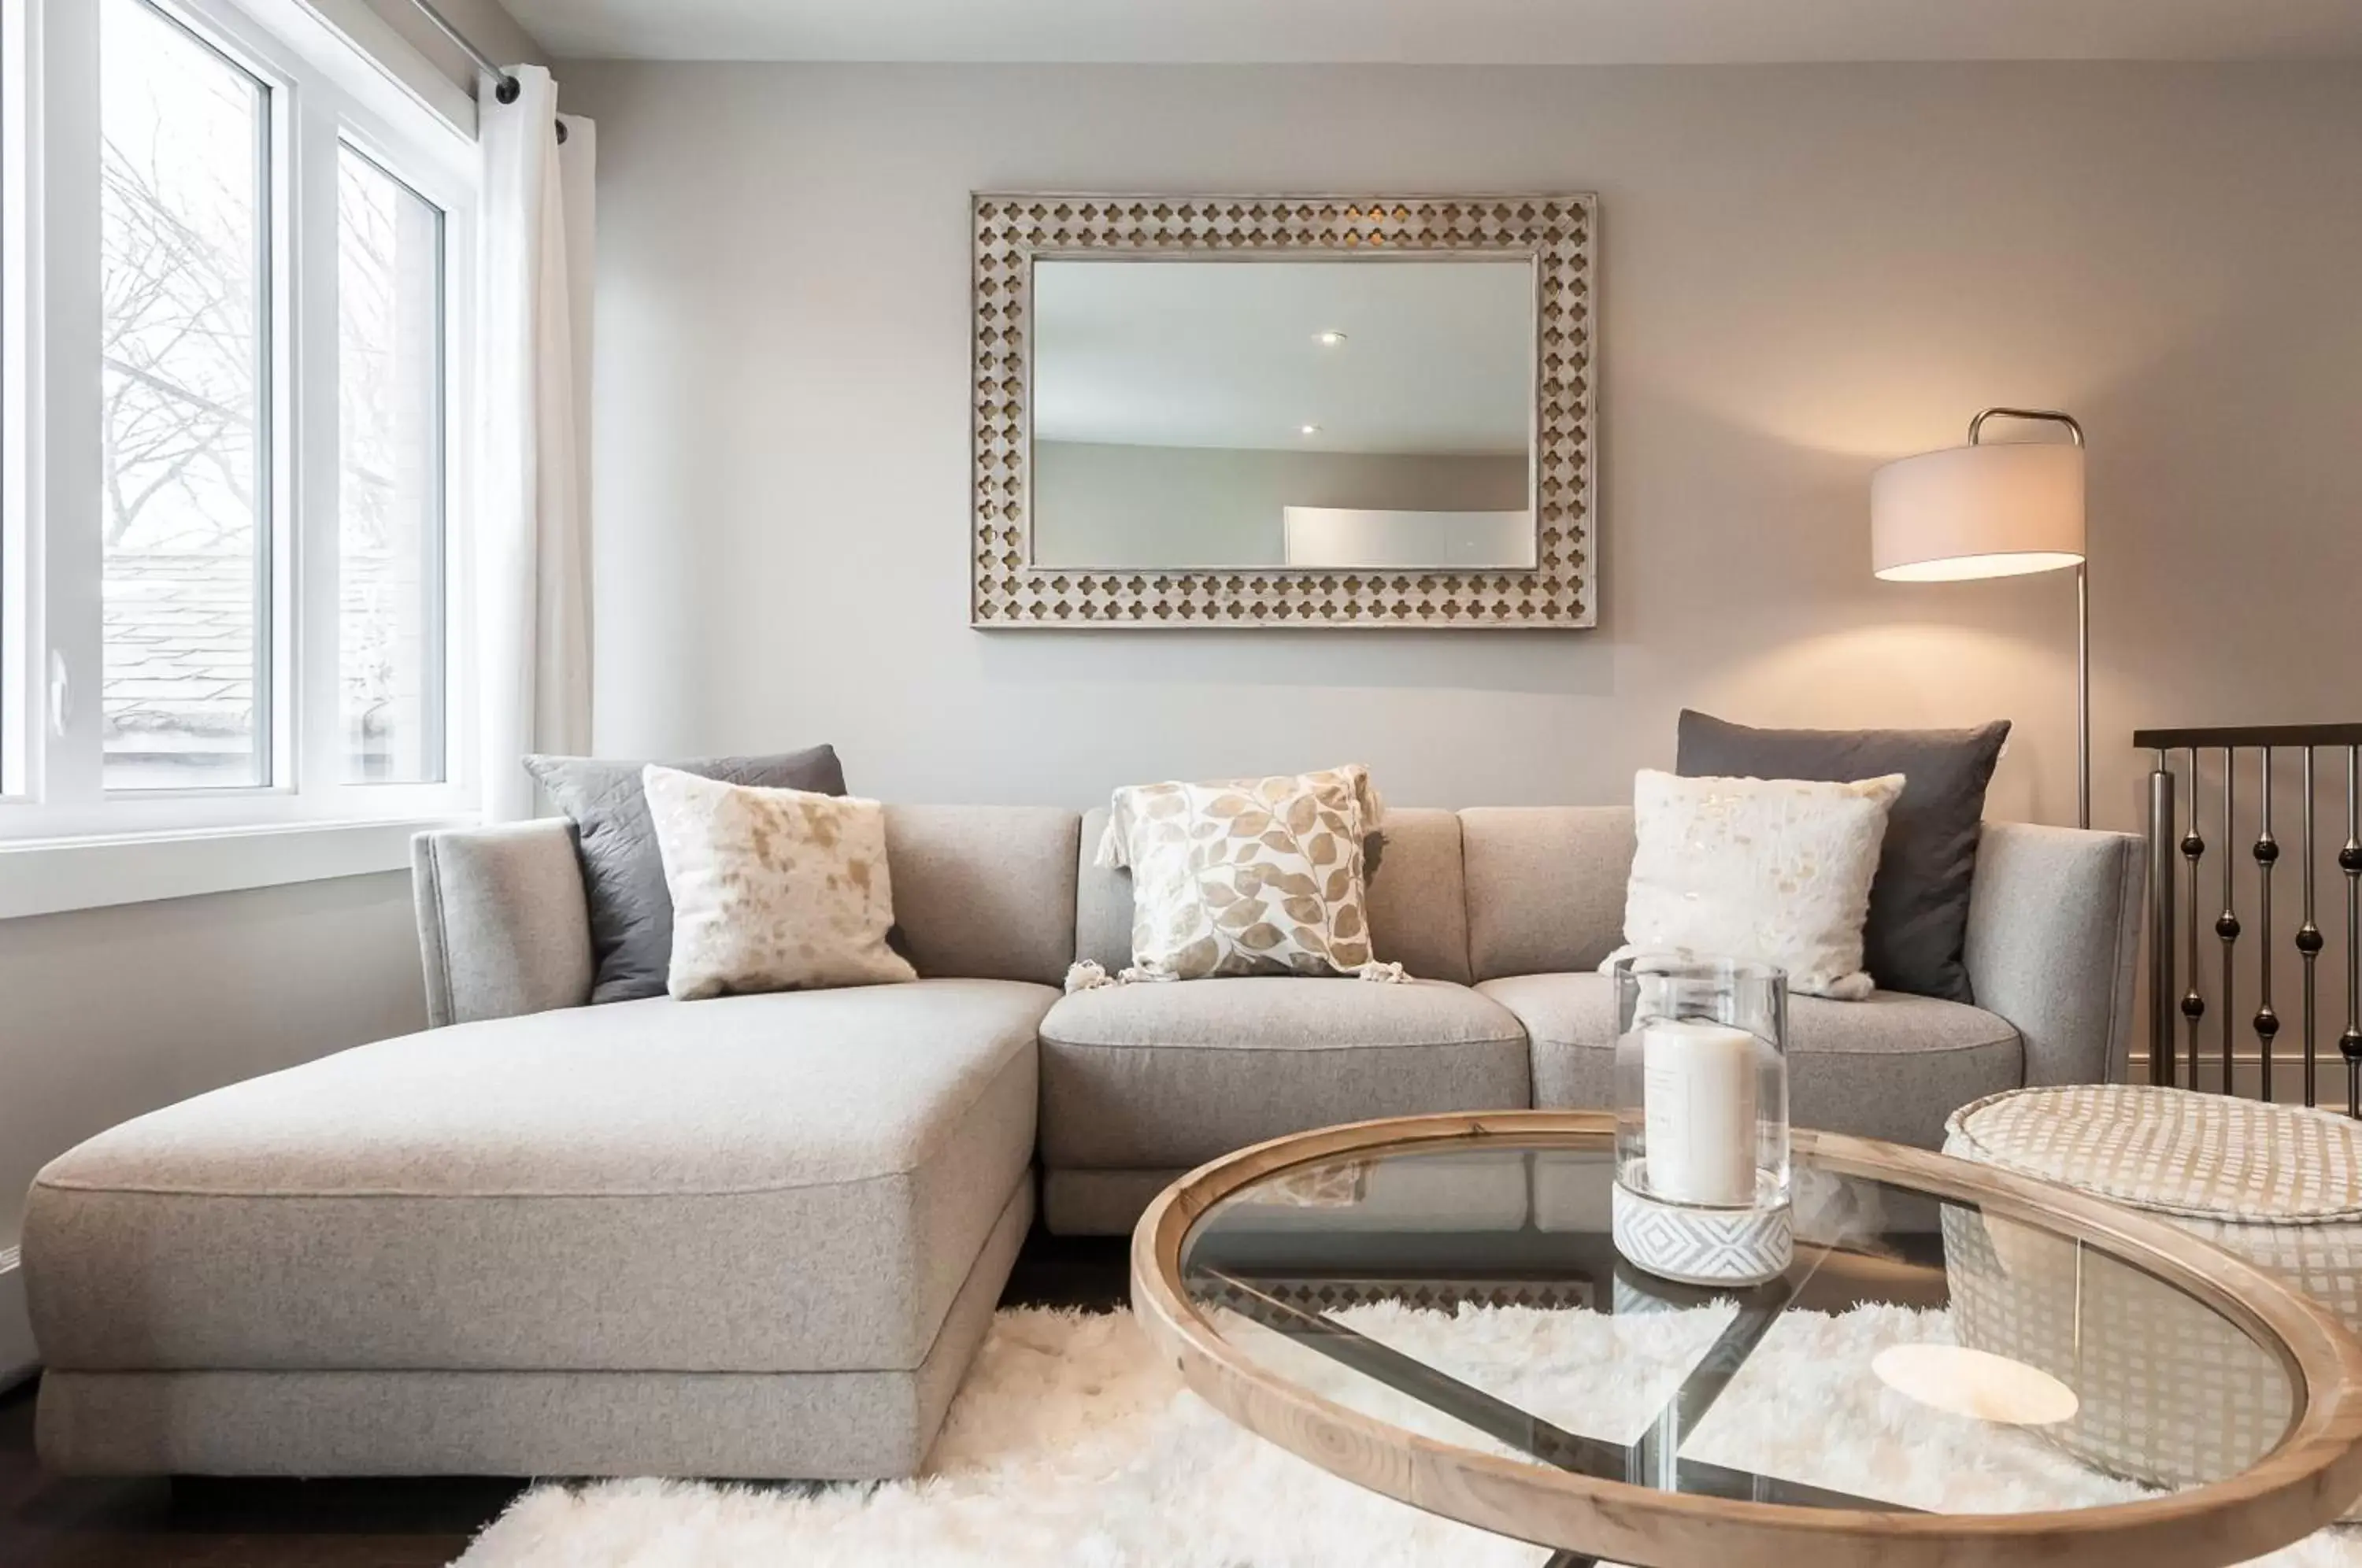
(2168, 1398)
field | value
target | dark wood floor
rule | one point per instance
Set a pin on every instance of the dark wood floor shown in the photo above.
(47, 1521)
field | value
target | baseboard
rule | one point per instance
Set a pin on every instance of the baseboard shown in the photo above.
(18, 1358)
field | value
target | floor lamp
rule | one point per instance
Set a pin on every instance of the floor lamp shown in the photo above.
(1998, 510)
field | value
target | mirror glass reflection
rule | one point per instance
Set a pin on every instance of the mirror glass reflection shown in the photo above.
(1227, 412)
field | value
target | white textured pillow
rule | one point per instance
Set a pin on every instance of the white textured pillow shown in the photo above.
(771, 888)
(1776, 870)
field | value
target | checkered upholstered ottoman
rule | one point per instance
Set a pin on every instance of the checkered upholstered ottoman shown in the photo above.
(2174, 1399)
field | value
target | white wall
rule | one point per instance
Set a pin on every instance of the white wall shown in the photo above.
(1806, 272)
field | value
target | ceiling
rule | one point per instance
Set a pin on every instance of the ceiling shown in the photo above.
(1470, 32)
(1435, 356)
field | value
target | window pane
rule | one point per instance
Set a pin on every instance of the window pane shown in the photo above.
(390, 382)
(184, 255)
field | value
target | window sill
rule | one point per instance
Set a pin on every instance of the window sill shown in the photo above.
(51, 876)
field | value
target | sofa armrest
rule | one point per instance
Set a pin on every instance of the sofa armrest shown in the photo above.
(503, 923)
(2054, 929)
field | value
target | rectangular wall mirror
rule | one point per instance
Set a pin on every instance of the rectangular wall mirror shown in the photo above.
(1284, 411)
(1216, 413)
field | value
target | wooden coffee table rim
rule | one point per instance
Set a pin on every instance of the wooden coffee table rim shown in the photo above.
(2302, 1486)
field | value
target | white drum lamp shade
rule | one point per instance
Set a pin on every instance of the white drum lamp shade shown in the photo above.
(1994, 510)
(1997, 509)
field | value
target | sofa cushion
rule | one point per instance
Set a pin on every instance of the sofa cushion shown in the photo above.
(1890, 1066)
(1417, 900)
(985, 892)
(788, 1182)
(1176, 1073)
(1545, 886)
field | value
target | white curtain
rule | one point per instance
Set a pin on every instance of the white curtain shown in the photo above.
(532, 545)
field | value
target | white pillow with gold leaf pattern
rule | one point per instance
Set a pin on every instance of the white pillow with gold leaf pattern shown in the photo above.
(772, 889)
(1259, 877)
(1335, 785)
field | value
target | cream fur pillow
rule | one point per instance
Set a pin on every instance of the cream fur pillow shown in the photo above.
(771, 888)
(1776, 870)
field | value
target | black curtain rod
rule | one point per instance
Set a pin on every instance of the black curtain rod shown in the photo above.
(505, 88)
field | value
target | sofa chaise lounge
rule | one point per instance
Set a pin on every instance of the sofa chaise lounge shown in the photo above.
(762, 1236)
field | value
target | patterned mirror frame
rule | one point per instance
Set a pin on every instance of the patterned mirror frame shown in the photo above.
(1558, 234)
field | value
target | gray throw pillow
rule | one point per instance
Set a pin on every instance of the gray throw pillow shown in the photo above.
(1917, 936)
(623, 871)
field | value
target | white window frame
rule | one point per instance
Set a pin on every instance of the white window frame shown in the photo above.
(323, 94)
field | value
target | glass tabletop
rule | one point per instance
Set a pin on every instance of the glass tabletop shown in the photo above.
(1919, 1355)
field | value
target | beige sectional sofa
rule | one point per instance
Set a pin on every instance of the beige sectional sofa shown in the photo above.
(762, 1236)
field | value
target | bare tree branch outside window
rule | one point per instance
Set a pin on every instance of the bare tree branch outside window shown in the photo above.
(185, 254)
(184, 251)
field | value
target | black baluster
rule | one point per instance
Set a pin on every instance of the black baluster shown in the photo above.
(2308, 935)
(2349, 860)
(2226, 924)
(2267, 854)
(2194, 850)
(2163, 878)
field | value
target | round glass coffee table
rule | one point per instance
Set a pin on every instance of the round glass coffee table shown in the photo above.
(1944, 1377)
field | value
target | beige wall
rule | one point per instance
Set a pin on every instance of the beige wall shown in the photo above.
(1806, 272)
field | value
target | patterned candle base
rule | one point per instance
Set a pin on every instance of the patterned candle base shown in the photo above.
(1703, 1246)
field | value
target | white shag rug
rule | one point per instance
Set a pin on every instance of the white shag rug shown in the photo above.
(1071, 1444)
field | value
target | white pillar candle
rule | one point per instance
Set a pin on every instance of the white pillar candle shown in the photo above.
(1698, 1097)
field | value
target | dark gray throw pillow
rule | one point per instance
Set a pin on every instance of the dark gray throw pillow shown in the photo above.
(623, 871)
(1918, 930)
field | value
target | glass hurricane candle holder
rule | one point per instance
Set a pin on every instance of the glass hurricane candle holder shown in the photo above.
(1702, 1117)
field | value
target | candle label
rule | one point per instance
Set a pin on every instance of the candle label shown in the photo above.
(1699, 1100)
